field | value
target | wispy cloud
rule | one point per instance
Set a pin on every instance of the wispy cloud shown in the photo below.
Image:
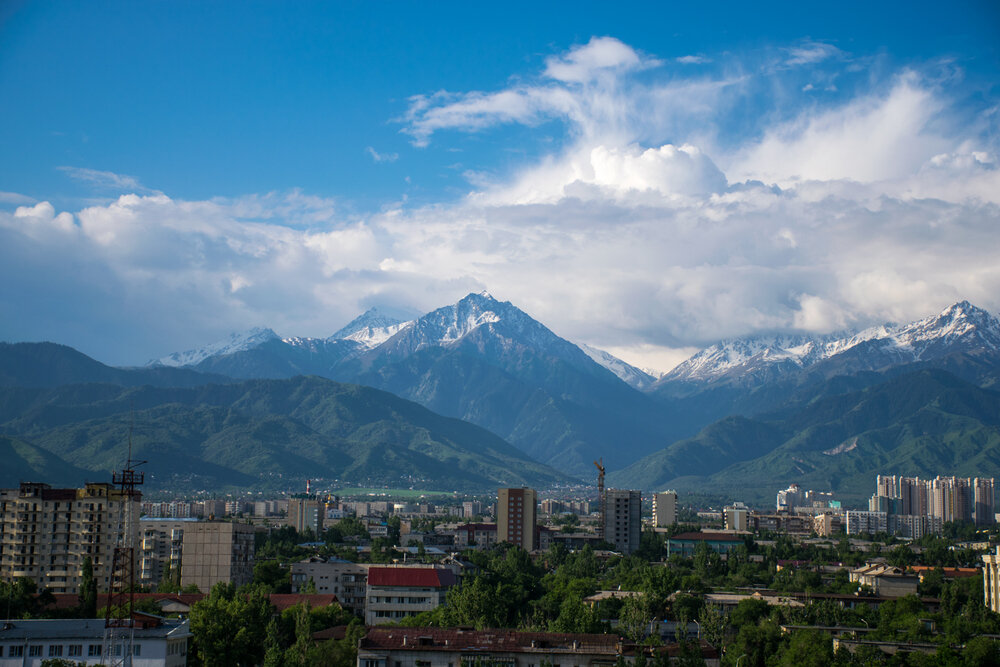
(693, 60)
(104, 180)
(381, 157)
(15, 198)
(810, 52)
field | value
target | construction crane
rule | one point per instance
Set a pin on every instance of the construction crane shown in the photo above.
(600, 495)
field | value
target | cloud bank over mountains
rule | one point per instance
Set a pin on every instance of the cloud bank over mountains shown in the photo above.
(683, 200)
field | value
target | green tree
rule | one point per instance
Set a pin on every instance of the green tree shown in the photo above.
(88, 590)
(230, 628)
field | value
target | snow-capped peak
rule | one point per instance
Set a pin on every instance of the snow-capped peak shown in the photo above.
(959, 324)
(371, 328)
(235, 342)
(636, 377)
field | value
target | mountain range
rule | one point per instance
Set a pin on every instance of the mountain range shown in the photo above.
(743, 402)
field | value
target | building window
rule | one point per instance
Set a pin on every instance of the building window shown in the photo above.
(16, 652)
(34, 651)
(55, 651)
(75, 650)
(94, 650)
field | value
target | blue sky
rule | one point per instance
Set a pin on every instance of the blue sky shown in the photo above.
(643, 178)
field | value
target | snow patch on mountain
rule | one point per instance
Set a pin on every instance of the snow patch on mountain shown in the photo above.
(636, 377)
(371, 328)
(236, 342)
(958, 325)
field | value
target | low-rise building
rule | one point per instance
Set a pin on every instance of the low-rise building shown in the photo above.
(684, 544)
(459, 647)
(397, 591)
(156, 642)
(886, 580)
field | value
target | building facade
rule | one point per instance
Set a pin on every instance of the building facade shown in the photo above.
(623, 519)
(664, 509)
(347, 580)
(395, 592)
(27, 643)
(46, 533)
(205, 552)
(991, 580)
(306, 512)
(517, 517)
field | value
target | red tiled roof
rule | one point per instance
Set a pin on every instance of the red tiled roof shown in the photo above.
(706, 537)
(433, 639)
(411, 576)
(283, 601)
(950, 572)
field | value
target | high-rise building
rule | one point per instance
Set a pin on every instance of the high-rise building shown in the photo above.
(790, 498)
(46, 533)
(517, 517)
(623, 519)
(944, 498)
(737, 517)
(664, 509)
(306, 512)
(205, 552)
(983, 499)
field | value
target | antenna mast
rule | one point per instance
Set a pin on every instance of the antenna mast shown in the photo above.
(119, 624)
(600, 495)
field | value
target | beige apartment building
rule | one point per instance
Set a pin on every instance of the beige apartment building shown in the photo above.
(207, 552)
(517, 517)
(46, 533)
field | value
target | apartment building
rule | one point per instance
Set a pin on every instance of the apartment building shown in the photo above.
(517, 517)
(306, 512)
(946, 498)
(397, 591)
(664, 509)
(737, 517)
(206, 552)
(623, 519)
(334, 576)
(46, 533)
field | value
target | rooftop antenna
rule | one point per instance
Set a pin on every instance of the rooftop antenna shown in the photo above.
(119, 621)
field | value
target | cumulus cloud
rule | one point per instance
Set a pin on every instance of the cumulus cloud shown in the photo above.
(881, 136)
(643, 234)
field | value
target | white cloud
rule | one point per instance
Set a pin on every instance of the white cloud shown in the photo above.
(104, 180)
(381, 157)
(810, 52)
(877, 137)
(693, 60)
(646, 235)
(15, 198)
